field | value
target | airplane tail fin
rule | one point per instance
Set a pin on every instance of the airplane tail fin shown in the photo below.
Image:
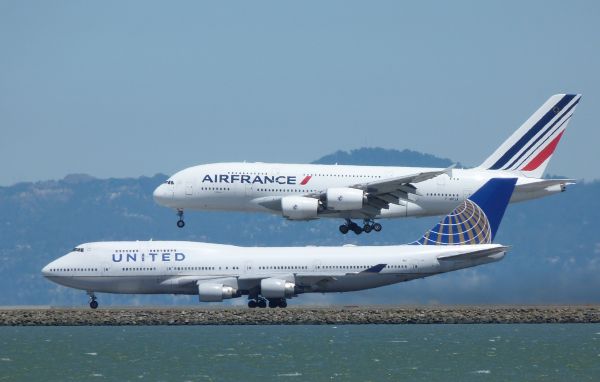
(529, 149)
(476, 220)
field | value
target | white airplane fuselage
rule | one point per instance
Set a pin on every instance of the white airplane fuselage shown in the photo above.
(216, 272)
(311, 191)
(259, 187)
(175, 267)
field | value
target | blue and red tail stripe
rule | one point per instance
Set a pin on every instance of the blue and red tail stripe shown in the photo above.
(541, 124)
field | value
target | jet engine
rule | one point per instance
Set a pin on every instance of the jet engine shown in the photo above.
(215, 292)
(299, 207)
(276, 288)
(344, 199)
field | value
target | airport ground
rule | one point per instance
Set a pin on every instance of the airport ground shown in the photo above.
(305, 315)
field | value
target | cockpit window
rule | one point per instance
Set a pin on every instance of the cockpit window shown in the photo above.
(77, 249)
(169, 182)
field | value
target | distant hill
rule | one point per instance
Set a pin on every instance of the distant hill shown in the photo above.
(555, 255)
(384, 157)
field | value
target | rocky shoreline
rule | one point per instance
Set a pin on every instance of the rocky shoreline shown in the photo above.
(299, 316)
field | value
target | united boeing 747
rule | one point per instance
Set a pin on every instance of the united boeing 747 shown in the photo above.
(307, 191)
(272, 275)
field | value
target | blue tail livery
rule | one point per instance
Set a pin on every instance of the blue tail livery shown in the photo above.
(476, 220)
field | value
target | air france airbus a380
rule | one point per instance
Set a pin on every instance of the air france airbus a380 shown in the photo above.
(272, 275)
(305, 191)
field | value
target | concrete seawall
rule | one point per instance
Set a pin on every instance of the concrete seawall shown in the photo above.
(16, 316)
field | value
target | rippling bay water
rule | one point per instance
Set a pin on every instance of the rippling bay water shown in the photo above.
(302, 353)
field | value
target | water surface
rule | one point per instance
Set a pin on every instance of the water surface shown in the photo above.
(553, 352)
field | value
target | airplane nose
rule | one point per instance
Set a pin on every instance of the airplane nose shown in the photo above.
(161, 194)
(46, 270)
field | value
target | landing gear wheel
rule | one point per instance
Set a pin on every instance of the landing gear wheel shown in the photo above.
(252, 304)
(344, 229)
(367, 228)
(180, 222)
(273, 304)
(356, 229)
(377, 227)
(283, 304)
(93, 302)
(262, 303)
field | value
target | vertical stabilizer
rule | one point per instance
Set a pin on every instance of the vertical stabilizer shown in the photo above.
(476, 220)
(529, 149)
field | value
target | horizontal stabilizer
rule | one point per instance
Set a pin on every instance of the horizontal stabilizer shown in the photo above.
(474, 254)
(543, 184)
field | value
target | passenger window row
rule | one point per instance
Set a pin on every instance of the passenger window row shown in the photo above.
(139, 269)
(74, 269)
(284, 190)
(290, 267)
(215, 188)
(345, 176)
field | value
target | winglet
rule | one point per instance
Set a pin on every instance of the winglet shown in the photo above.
(448, 170)
(476, 220)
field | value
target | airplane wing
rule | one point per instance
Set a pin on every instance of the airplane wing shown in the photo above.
(381, 193)
(474, 254)
(309, 279)
(183, 280)
(315, 279)
(301, 279)
(389, 185)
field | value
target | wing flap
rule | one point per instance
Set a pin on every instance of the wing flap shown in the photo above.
(376, 202)
(402, 183)
(389, 198)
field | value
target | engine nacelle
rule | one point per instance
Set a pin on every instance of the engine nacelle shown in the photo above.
(215, 292)
(299, 207)
(344, 199)
(276, 288)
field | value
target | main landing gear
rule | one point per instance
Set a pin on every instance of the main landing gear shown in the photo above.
(261, 302)
(180, 222)
(368, 226)
(93, 302)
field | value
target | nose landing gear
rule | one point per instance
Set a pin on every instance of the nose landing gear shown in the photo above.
(180, 222)
(93, 302)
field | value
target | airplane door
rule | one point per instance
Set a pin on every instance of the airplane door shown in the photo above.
(467, 193)
(317, 265)
(189, 189)
(249, 189)
(441, 180)
(248, 267)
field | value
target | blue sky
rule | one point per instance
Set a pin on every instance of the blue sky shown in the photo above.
(133, 88)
